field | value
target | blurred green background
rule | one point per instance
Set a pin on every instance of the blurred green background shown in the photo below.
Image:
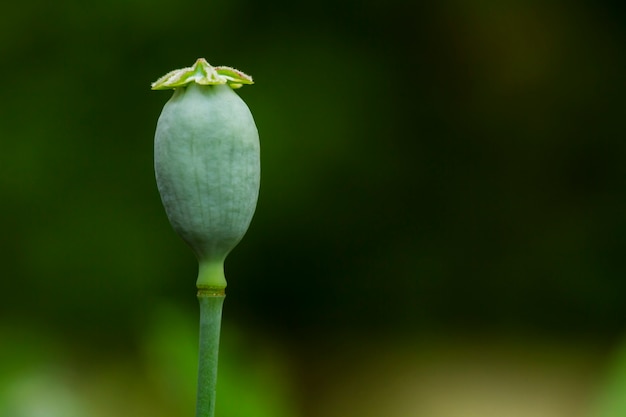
(440, 231)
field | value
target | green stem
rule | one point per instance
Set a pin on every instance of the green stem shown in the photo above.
(211, 301)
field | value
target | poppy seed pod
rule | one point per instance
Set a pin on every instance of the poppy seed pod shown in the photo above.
(207, 163)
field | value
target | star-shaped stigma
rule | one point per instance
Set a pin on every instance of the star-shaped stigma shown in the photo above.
(204, 74)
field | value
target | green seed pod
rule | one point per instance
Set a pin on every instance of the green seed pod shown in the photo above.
(207, 163)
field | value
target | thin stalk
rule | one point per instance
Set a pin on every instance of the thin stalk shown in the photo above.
(211, 301)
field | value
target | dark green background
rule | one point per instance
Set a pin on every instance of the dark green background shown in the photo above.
(448, 167)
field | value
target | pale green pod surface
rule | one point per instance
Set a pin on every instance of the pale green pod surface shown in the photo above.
(207, 165)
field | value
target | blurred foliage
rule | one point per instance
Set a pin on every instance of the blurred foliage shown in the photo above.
(428, 168)
(42, 377)
(610, 400)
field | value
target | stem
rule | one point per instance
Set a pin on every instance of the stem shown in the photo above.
(211, 301)
(211, 275)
